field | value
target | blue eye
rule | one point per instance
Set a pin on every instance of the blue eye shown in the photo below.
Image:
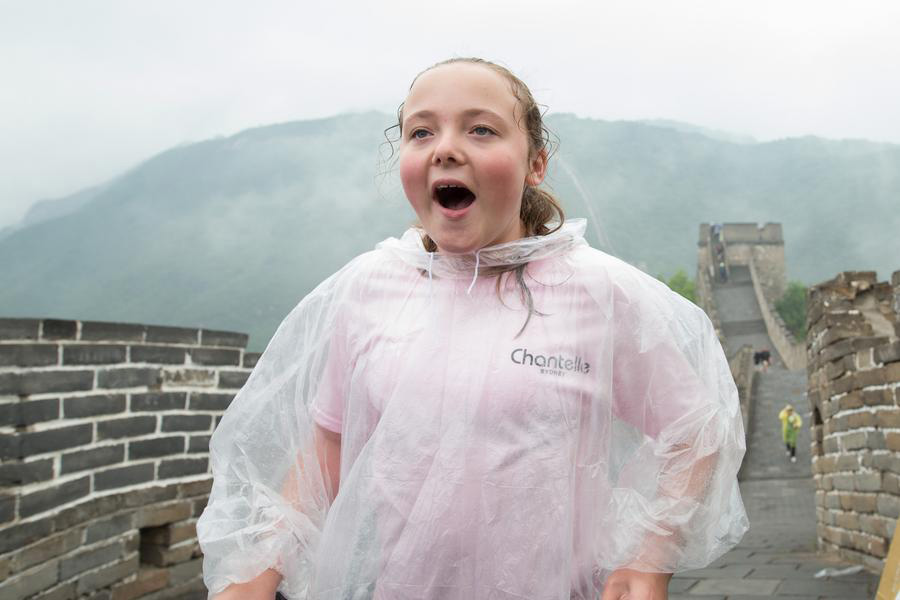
(481, 131)
(415, 134)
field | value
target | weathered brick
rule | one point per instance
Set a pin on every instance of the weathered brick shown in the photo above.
(180, 467)
(876, 525)
(250, 359)
(888, 353)
(45, 382)
(31, 582)
(215, 356)
(19, 329)
(840, 481)
(62, 591)
(158, 401)
(106, 576)
(887, 419)
(160, 446)
(862, 502)
(94, 354)
(847, 520)
(162, 556)
(29, 355)
(198, 505)
(149, 579)
(233, 379)
(52, 440)
(165, 355)
(209, 337)
(92, 458)
(43, 500)
(891, 483)
(199, 443)
(123, 476)
(151, 495)
(155, 516)
(185, 571)
(126, 427)
(199, 487)
(853, 441)
(28, 412)
(889, 505)
(877, 397)
(868, 481)
(189, 376)
(845, 462)
(15, 473)
(47, 549)
(9, 446)
(91, 406)
(850, 401)
(129, 377)
(88, 510)
(114, 332)
(168, 535)
(56, 329)
(157, 334)
(7, 509)
(186, 423)
(892, 440)
(210, 401)
(860, 420)
(887, 462)
(109, 527)
(89, 559)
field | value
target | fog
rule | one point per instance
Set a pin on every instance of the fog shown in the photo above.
(92, 88)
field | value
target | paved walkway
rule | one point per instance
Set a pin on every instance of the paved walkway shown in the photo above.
(777, 557)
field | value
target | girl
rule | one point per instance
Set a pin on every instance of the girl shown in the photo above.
(484, 408)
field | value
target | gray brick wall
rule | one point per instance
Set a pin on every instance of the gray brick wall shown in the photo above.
(853, 367)
(104, 441)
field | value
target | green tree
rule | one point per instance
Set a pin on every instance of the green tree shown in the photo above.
(682, 284)
(792, 308)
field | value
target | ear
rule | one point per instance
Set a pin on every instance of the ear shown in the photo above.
(537, 168)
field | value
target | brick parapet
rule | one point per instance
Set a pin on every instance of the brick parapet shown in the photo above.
(103, 425)
(853, 366)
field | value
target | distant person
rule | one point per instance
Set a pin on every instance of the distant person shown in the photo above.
(790, 426)
(723, 272)
(762, 359)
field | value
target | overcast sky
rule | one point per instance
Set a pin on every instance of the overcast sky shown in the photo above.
(89, 88)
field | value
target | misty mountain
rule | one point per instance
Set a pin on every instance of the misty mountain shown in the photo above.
(230, 233)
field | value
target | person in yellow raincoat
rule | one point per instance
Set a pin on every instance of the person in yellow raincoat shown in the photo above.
(790, 425)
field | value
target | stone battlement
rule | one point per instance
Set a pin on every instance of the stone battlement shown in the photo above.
(853, 366)
(104, 438)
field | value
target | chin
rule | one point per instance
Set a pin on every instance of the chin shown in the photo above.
(455, 244)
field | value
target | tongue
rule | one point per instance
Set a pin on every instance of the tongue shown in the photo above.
(456, 198)
(460, 203)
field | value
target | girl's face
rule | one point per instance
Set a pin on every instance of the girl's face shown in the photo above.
(464, 161)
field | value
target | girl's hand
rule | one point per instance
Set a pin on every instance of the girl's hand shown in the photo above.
(626, 584)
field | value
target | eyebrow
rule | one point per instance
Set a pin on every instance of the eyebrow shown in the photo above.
(468, 113)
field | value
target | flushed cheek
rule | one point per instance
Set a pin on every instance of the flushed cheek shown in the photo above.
(415, 181)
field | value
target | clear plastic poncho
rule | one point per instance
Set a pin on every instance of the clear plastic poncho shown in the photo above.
(478, 459)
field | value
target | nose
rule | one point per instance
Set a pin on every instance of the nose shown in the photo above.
(447, 151)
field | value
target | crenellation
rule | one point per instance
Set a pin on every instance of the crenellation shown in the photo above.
(104, 434)
(853, 366)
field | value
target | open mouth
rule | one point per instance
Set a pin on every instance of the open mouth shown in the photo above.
(454, 197)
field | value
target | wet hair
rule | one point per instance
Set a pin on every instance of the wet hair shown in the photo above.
(541, 213)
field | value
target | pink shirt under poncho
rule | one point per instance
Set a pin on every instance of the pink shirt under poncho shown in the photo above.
(479, 460)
